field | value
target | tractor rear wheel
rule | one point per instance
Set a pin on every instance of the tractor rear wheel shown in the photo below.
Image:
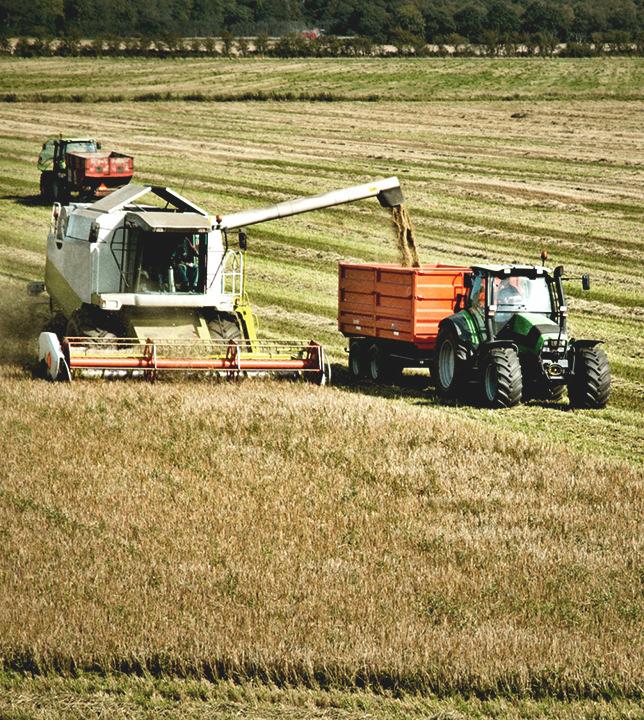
(446, 370)
(589, 387)
(224, 327)
(59, 189)
(502, 378)
(46, 186)
(357, 359)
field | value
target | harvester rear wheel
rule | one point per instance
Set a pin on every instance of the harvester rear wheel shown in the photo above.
(224, 327)
(589, 387)
(502, 378)
(446, 370)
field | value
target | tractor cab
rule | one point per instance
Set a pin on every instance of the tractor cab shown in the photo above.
(499, 294)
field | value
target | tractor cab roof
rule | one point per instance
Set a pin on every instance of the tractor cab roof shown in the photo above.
(508, 270)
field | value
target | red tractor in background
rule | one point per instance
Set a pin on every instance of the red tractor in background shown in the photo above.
(78, 165)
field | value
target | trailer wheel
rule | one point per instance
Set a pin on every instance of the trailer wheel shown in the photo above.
(381, 368)
(46, 186)
(357, 359)
(447, 370)
(589, 387)
(502, 378)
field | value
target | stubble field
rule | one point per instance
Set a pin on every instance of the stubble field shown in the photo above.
(338, 537)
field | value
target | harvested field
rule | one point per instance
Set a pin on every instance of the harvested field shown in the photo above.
(335, 537)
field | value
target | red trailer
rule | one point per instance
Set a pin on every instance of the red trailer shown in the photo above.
(98, 173)
(391, 313)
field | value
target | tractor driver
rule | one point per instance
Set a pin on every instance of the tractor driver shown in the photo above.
(509, 300)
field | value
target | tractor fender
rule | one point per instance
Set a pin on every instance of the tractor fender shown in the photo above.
(466, 343)
(585, 343)
(491, 344)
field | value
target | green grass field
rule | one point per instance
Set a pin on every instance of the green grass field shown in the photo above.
(300, 544)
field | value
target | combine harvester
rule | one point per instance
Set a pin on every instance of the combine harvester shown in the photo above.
(142, 288)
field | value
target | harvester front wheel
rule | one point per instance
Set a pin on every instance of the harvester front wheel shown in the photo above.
(224, 328)
(82, 324)
(502, 378)
(446, 370)
(589, 387)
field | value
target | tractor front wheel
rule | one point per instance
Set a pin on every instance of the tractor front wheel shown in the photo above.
(589, 387)
(502, 379)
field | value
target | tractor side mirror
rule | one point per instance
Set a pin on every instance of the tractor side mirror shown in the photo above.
(585, 282)
(467, 281)
(243, 240)
(559, 271)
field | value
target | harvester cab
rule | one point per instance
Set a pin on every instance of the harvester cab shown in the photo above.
(162, 287)
(510, 333)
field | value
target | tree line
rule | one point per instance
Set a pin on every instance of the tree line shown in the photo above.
(349, 26)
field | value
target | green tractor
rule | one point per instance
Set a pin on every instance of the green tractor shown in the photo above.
(509, 335)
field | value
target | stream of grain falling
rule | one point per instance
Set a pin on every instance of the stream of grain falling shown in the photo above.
(405, 236)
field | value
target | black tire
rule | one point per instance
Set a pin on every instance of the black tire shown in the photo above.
(46, 186)
(589, 387)
(59, 190)
(86, 324)
(501, 378)
(224, 327)
(447, 369)
(357, 359)
(381, 368)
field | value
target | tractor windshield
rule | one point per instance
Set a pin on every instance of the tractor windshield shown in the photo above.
(83, 146)
(519, 293)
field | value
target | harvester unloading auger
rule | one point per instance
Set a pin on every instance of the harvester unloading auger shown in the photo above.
(142, 288)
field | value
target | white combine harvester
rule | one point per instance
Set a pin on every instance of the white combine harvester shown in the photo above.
(144, 288)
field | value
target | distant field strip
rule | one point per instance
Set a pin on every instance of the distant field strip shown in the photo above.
(372, 79)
